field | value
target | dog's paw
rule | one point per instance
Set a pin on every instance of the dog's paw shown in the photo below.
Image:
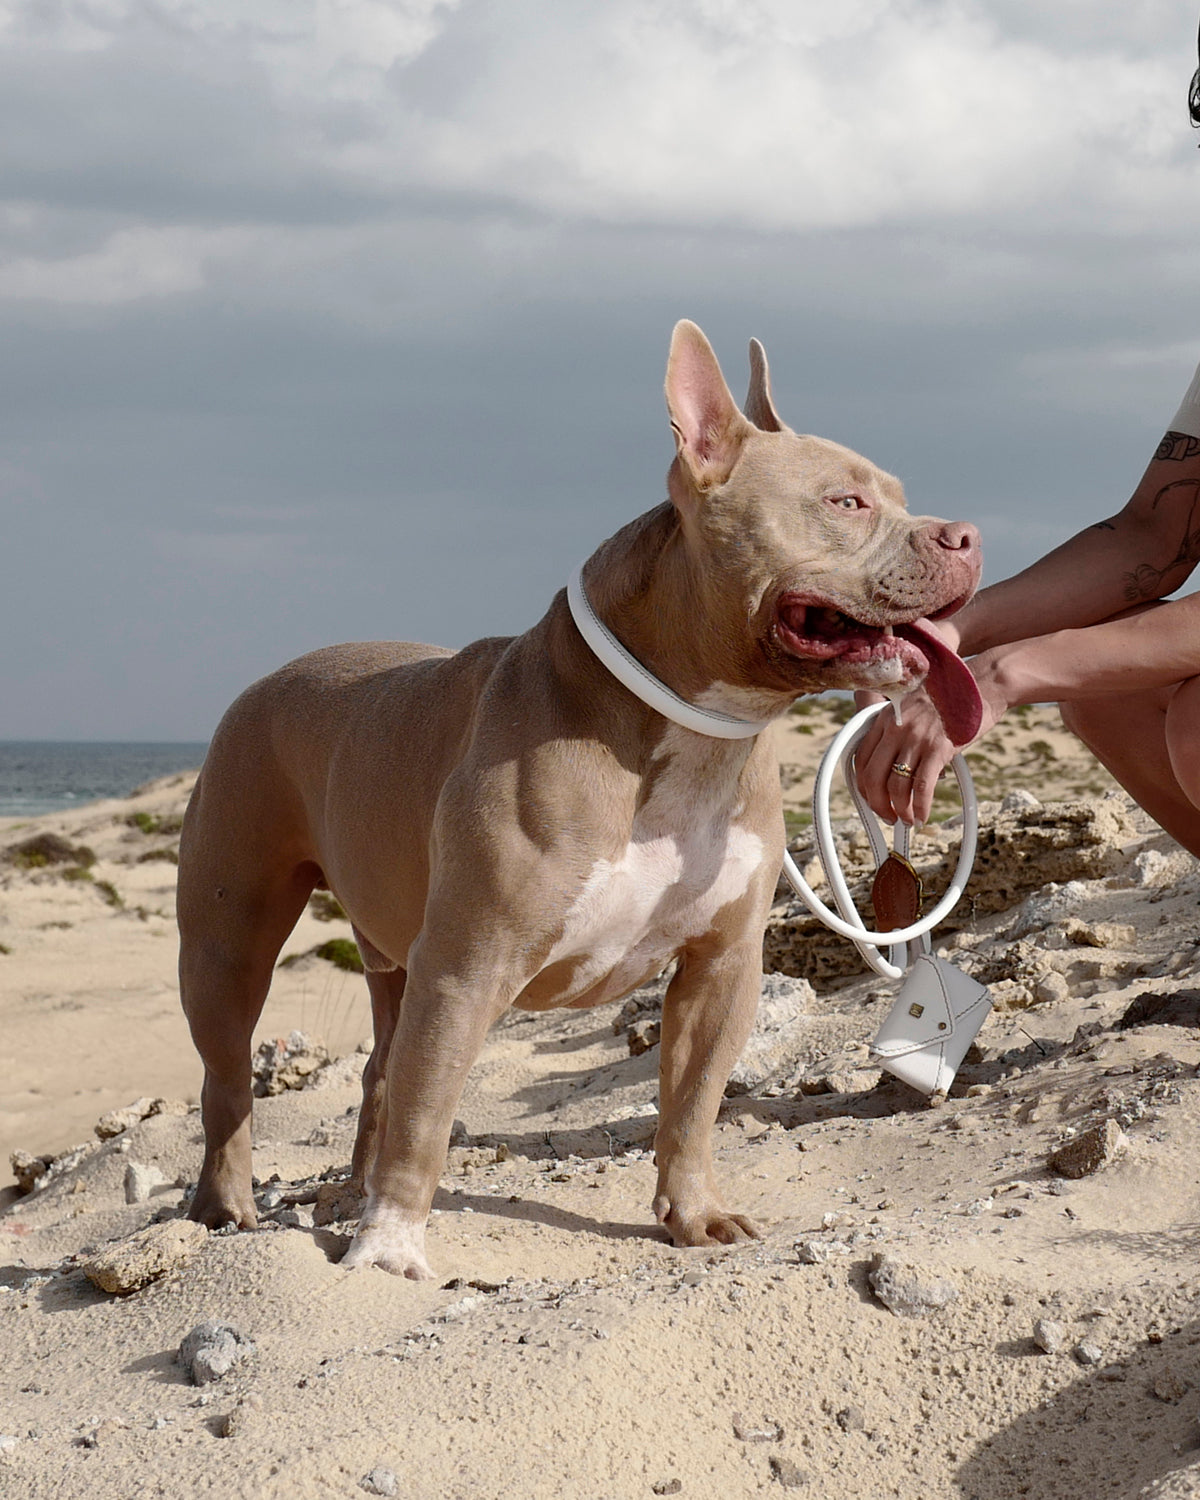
(393, 1244)
(708, 1226)
(219, 1210)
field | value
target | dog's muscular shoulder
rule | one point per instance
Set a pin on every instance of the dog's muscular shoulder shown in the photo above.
(694, 849)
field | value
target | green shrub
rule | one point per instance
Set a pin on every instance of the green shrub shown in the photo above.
(342, 953)
(166, 823)
(48, 849)
(110, 893)
(841, 710)
(326, 907)
(169, 854)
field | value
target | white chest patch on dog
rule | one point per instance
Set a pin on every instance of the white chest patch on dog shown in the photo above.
(687, 858)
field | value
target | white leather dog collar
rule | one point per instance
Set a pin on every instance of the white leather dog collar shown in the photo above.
(643, 684)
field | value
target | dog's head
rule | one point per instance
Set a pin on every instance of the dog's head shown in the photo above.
(806, 566)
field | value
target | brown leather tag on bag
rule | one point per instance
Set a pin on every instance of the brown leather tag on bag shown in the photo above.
(896, 894)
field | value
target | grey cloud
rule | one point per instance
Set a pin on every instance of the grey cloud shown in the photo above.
(286, 365)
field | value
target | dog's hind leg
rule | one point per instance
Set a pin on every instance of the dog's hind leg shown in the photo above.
(232, 926)
(387, 993)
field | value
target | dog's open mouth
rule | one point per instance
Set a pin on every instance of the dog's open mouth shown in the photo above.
(820, 632)
(817, 631)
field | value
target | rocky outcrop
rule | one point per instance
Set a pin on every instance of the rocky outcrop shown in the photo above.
(287, 1063)
(784, 1016)
(1023, 846)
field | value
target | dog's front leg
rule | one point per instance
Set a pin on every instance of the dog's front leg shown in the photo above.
(444, 1019)
(708, 1014)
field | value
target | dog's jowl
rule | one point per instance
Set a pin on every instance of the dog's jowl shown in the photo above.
(511, 824)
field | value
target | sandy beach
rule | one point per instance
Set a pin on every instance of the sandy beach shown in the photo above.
(937, 1307)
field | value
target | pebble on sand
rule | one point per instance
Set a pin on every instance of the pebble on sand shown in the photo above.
(28, 1169)
(1049, 1335)
(1170, 1387)
(140, 1180)
(907, 1290)
(211, 1350)
(145, 1257)
(379, 1482)
(117, 1121)
(790, 1475)
(1090, 1151)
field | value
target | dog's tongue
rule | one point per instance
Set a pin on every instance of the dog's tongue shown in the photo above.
(949, 683)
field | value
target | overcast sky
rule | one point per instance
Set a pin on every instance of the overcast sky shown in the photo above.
(327, 320)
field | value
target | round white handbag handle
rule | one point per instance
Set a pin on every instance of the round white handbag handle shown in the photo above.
(850, 924)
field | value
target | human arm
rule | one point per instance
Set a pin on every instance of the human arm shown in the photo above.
(1143, 553)
(1148, 646)
(1078, 598)
(1151, 645)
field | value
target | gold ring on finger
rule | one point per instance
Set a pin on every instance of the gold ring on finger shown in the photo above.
(902, 768)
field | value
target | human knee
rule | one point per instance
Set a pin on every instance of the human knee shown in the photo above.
(1080, 717)
(1183, 738)
(1185, 702)
(1107, 723)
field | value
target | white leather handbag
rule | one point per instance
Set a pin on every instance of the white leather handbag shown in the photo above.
(939, 1009)
(936, 1017)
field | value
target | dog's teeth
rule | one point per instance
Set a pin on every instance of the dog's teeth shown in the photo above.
(887, 630)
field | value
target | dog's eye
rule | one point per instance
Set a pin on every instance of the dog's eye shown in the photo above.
(846, 502)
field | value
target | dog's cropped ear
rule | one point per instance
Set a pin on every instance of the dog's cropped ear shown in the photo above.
(709, 429)
(759, 407)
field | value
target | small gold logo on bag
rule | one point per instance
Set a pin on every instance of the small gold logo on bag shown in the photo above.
(916, 1010)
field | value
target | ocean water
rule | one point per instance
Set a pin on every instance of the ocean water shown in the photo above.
(41, 776)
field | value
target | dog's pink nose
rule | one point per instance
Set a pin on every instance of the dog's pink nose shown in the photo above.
(956, 536)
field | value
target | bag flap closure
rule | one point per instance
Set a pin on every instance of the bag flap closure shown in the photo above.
(933, 997)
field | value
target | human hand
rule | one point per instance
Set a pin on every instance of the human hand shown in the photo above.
(920, 743)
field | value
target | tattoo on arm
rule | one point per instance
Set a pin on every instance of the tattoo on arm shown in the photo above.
(1177, 446)
(1146, 582)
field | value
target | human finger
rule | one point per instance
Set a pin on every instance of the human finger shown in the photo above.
(874, 757)
(913, 801)
(899, 766)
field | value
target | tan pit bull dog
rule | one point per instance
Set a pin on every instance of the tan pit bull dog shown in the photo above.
(510, 825)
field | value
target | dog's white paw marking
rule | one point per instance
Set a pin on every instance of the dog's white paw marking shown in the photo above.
(393, 1241)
